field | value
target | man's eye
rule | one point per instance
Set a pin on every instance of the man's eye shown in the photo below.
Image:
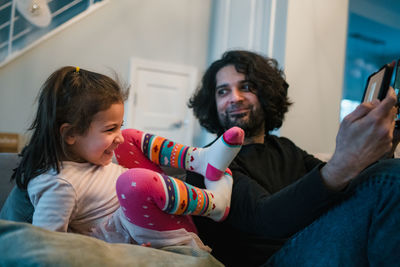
(221, 92)
(246, 87)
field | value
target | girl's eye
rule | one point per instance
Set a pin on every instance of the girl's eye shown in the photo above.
(115, 128)
(112, 129)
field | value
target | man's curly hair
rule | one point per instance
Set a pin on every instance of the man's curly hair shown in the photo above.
(262, 72)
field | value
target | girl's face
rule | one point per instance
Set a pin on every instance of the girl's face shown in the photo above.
(97, 145)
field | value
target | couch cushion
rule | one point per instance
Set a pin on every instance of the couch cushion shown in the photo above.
(22, 244)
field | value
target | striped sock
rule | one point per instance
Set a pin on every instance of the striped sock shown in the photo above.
(211, 162)
(184, 199)
(147, 196)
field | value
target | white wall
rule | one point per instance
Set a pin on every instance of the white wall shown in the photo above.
(309, 40)
(256, 25)
(177, 31)
(173, 31)
(314, 66)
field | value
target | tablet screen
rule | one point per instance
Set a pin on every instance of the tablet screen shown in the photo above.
(378, 83)
(374, 85)
(396, 85)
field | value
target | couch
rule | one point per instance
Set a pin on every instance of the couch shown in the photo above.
(22, 244)
(8, 161)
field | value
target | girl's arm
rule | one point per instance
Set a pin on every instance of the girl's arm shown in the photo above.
(54, 202)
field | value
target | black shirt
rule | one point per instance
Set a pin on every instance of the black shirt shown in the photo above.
(277, 191)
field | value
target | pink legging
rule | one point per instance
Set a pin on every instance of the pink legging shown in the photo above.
(141, 194)
(146, 194)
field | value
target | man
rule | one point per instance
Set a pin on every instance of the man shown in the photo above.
(330, 212)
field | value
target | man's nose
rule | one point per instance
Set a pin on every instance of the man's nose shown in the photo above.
(236, 95)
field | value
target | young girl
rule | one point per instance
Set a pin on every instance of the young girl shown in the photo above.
(73, 185)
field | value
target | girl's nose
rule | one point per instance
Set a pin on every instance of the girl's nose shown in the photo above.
(120, 138)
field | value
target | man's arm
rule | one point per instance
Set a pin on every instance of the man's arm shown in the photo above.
(364, 136)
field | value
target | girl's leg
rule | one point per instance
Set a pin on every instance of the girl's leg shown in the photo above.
(211, 162)
(155, 201)
(129, 154)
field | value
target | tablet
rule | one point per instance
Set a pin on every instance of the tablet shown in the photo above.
(396, 84)
(396, 87)
(378, 83)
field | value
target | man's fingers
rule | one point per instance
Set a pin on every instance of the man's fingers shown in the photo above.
(385, 107)
(360, 111)
(380, 108)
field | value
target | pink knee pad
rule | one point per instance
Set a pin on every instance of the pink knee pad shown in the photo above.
(142, 197)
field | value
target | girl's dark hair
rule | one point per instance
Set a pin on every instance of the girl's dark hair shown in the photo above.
(262, 72)
(69, 95)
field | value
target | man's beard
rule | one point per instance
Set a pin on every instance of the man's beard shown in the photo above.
(253, 124)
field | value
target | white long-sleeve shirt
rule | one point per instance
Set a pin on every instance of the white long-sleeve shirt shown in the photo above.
(82, 199)
(75, 200)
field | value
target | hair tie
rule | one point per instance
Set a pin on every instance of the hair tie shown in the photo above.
(77, 69)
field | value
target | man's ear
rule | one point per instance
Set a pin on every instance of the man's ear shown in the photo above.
(67, 132)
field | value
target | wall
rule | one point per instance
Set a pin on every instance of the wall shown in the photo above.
(173, 31)
(177, 31)
(256, 25)
(261, 27)
(314, 67)
(309, 39)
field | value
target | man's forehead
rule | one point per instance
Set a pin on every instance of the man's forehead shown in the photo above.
(229, 75)
(225, 84)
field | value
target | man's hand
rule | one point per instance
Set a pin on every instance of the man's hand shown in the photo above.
(396, 138)
(364, 136)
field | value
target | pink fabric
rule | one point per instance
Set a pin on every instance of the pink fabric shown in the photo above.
(130, 155)
(212, 173)
(148, 191)
(141, 194)
(234, 136)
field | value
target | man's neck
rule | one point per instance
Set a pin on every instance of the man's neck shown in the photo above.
(257, 139)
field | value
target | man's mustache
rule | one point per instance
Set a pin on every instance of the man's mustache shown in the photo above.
(235, 107)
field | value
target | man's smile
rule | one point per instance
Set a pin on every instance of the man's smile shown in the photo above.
(239, 111)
